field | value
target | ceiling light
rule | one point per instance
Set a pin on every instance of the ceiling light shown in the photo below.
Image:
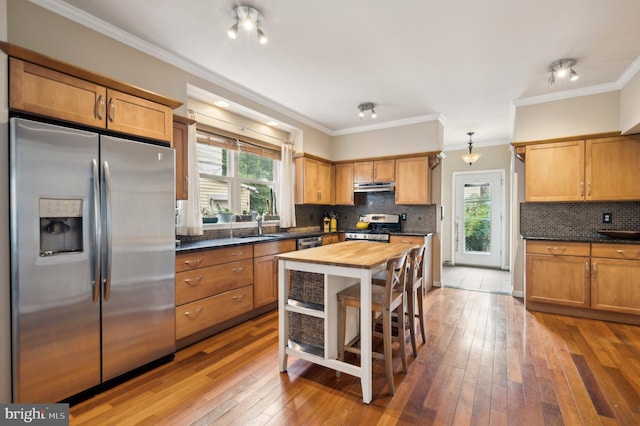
(470, 157)
(366, 106)
(272, 123)
(249, 19)
(221, 104)
(560, 69)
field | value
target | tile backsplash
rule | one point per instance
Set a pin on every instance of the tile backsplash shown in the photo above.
(419, 218)
(577, 219)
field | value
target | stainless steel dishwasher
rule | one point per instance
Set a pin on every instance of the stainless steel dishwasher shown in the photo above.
(308, 242)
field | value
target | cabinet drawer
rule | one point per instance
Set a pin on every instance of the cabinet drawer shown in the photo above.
(205, 282)
(558, 248)
(411, 239)
(197, 316)
(200, 259)
(273, 247)
(616, 251)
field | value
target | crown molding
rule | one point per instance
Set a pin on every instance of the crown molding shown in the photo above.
(390, 124)
(629, 73)
(76, 15)
(567, 94)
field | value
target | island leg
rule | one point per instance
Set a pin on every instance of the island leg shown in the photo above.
(366, 336)
(283, 317)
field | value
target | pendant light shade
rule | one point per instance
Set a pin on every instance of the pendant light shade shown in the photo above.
(471, 157)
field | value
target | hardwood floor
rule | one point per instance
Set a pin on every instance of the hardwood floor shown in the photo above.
(486, 361)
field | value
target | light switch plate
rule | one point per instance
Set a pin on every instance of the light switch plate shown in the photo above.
(607, 218)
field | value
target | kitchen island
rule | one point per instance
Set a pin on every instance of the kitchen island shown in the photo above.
(342, 265)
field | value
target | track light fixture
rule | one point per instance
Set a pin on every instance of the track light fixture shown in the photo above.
(470, 157)
(366, 106)
(249, 19)
(561, 69)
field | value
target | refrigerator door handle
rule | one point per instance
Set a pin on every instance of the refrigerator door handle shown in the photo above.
(107, 229)
(96, 232)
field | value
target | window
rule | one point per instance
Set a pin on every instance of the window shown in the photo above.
(236, 174)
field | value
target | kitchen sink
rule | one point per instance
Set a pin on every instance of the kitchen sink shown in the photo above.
(258, 236)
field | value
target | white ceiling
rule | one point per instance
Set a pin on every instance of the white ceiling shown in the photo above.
(465, 61)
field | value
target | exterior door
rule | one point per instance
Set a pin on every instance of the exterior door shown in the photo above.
(477, 238)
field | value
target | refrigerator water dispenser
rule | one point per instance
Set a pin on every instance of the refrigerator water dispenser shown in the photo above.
(60, 226)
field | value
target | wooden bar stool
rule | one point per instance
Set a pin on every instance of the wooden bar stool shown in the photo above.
(415, 293)
(384, 299)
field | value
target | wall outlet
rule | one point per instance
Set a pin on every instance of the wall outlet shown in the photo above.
(607, 218)
(403, 216)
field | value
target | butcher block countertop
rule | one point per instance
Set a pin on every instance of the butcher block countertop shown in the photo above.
(354, 254)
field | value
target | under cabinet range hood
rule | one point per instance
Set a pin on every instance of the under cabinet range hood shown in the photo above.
(374, 187)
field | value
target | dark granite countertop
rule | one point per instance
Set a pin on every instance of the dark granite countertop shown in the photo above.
(228, 242)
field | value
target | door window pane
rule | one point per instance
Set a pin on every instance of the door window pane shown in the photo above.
(477, 217)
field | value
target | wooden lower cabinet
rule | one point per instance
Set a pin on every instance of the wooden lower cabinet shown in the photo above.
(265, 271)
(615, 278)
(204, 313)
(212, 286)
(330, 239)
(601, 280)
(427, 241)
(558, 273)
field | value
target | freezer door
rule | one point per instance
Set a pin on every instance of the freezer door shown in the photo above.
(138, 300)
(55, 321)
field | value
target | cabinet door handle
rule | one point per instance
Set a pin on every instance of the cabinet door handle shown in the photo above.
(595, 271)
(582, 189)
(240, 269)
(190, 282)
(554, 248)
(112, 110)
(238, 298)
(195, 313)
(237, 253)
(586, 269)
(100, 107)
(588, 189)
(623, 253)
(194, 261)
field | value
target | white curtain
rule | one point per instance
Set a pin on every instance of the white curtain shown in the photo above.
(189, 214)
(287, 179)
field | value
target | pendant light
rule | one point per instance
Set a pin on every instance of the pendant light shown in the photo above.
(470, 157)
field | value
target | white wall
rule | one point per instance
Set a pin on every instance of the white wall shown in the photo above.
(569, 117)
(630, 106)
(5, 310)
(407, 139)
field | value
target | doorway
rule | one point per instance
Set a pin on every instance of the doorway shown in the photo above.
(477, 238)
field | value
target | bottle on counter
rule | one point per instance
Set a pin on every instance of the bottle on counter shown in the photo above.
(325, 224)
(333, 224)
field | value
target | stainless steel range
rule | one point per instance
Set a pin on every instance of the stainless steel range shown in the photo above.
(380, 228)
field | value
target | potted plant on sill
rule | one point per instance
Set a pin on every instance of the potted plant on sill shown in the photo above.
(224, 214)
(208, 216)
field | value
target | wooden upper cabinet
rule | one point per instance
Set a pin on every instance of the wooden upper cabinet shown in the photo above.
(344, 184)
(555, 171)
(612, 168)
(137, 116)
(603, 169)
(50, 93)
(181, 145)
(45, 92)
(412, 178)
(314, 181)
(374, 171)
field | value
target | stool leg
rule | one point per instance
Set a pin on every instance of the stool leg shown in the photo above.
(411, 317)
(421, 313)
(387, 337)
(402, 336)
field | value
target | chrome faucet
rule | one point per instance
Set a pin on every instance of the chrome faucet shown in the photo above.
(259, 219)
(233, 216)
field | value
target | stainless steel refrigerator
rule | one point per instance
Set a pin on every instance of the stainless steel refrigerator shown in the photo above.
(92, 258)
